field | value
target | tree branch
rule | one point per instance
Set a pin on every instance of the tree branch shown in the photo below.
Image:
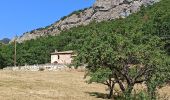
(141, 73)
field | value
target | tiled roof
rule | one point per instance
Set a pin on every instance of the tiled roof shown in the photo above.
(62, 52)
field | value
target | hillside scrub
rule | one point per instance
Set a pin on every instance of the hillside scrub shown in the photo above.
(151, 20)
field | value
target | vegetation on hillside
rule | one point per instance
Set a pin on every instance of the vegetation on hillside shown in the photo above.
(125, 59)
(151, 20)
(131, 50)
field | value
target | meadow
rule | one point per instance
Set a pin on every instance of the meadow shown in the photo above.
(60, 85)
(46, 86)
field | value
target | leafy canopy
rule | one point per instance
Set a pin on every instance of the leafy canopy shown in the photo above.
(125, 58)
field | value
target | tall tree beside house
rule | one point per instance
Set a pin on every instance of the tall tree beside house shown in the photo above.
(125, 59)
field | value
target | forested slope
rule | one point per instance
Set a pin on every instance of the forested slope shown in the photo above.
(151, 20)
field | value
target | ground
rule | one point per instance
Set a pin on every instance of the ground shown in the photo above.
(64, 85)
(46, 86)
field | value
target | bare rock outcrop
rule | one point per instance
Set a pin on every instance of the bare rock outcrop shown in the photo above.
(102, 10)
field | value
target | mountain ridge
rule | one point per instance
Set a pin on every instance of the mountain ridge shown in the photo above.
(102, 10)
(5, 40)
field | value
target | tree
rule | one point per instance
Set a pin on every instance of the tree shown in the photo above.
(124, 59)
(2, 65)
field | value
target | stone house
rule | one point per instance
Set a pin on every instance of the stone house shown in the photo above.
(64, 57)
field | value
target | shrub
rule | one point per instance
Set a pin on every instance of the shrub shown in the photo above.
(41, 69)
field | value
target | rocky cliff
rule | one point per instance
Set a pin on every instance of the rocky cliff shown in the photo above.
(100, 11)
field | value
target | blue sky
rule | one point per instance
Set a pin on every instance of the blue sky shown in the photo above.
(19, 16)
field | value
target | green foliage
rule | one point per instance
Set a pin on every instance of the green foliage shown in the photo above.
(74, 12)
(1, 62)
(130, 58)
(1, 44)
(159, 78)
(100, 76)
(38, 51)
(139, 96)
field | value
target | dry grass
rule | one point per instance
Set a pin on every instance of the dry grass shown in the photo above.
(46, 86)
(49, 86)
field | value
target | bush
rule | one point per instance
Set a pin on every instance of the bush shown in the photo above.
(41, 69)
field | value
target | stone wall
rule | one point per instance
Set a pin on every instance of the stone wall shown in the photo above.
(42, 67)
(46, 67)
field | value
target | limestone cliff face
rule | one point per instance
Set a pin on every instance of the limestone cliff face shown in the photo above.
(100, 11)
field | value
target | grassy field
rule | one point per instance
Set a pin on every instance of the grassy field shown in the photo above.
(50, 86)
(46, 86)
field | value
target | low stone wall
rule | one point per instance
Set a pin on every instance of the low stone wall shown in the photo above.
(42, 67)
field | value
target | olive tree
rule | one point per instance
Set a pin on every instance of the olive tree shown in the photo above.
(125, 59)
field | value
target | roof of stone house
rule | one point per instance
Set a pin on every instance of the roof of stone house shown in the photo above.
(62, 52)
(74, 55)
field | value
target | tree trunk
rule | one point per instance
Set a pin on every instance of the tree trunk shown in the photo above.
(110, 85)
(110, 94)
(128, 92)
(152, 95)
(120, 83)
